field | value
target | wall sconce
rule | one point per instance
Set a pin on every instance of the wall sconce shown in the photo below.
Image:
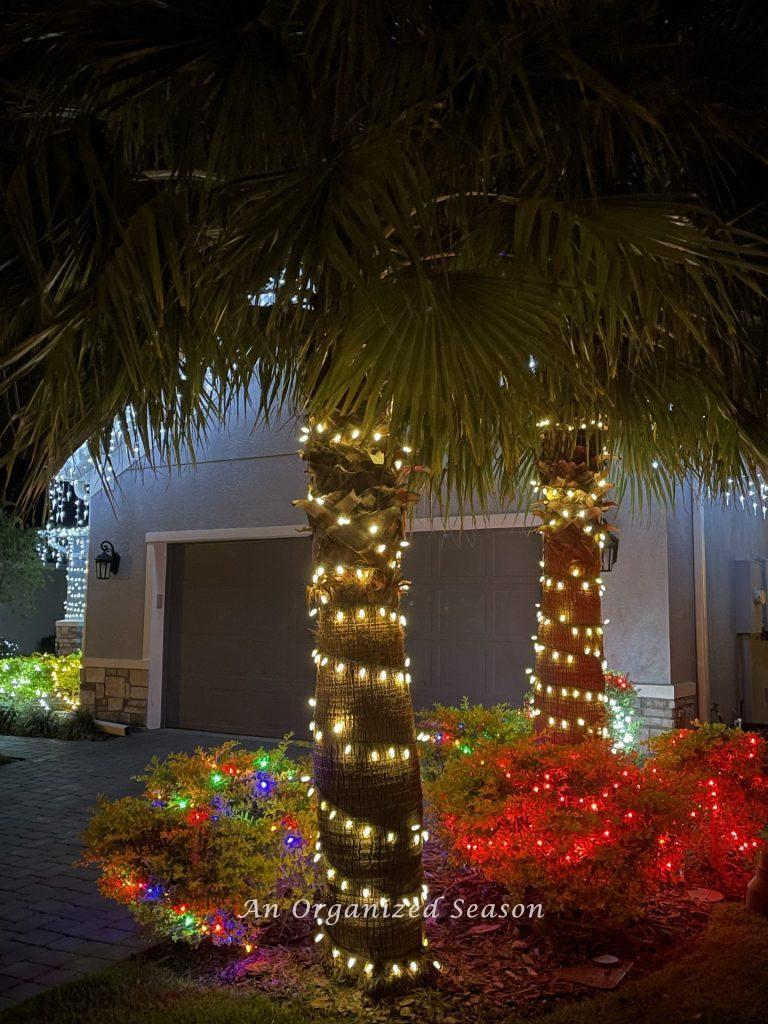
(610, 552)
(107, 561)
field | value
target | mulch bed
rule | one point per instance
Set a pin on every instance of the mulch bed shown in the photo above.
(489, 968)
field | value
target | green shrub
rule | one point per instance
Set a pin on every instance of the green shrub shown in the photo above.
(213, 830)
(623, 721)
(41, 680)
(446, 732)
(79, 725)
(36, 721)
(8, 717)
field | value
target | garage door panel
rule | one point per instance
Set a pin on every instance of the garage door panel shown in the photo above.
(200, 710)
(216, 619)
(514, 611)
(225, 679)
(463, 611)
(237, 639)
(476, 626)
(417, 607)
(515, 553)
(298, 661)
(508, 681)
(423, 672)
(419, 557)
(215, 655)
(463, 669)
(462, 555)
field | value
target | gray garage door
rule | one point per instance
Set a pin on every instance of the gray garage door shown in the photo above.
(237, 636)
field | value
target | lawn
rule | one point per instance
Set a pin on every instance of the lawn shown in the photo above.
(722, 978)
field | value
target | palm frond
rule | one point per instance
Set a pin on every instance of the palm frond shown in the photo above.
(430, 195)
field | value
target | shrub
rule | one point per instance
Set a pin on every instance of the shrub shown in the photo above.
(446, 732)
(41, 680)
(79, 725)
(724, 775)
(585, 829)
(213, 830)
(623, 721)
(8, 717)
(36, 721)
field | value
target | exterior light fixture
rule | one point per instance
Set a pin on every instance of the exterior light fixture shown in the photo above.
(609, 553)
(107, 561)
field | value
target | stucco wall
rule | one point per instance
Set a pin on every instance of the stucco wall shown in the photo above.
(28, 630)
(682, 600)
(637, 598)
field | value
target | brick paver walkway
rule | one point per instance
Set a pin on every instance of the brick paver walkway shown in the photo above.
(54, 924)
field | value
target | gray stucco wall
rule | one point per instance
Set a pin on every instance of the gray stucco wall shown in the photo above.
(637, 598)
(28, 630)
(682, 599)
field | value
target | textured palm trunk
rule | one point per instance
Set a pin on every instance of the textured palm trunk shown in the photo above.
(366, 768)
(568, 684)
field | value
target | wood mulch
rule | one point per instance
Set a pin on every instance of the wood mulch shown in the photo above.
(490, 968)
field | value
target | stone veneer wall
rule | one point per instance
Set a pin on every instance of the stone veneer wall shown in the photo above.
(69, 635)
(115, 694)
(660, 714)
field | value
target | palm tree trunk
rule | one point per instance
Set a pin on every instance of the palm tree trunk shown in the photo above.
(366, 768)
(568, 684)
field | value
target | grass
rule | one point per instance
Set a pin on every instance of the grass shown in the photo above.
(721, 979)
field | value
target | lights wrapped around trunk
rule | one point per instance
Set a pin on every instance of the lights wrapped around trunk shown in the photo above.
(366, 768)
(567, 694)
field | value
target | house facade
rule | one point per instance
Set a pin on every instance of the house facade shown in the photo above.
(205, 624)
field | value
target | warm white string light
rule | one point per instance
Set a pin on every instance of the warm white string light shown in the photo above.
(339, 732)
(564, 505)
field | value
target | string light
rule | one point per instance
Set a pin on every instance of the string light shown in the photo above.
(571, 505)
(65, 538)
(358, 656)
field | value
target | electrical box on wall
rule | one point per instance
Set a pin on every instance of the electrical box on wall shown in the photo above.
(749, 596)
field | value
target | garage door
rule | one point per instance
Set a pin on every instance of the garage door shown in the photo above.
(237, 637)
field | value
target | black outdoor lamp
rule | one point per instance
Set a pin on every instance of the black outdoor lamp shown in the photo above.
(107, 561)
(610, 552)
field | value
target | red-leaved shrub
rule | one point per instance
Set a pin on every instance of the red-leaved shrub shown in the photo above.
(586, 830)
(724, 775)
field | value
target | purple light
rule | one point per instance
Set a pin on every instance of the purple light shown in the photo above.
(265, 784)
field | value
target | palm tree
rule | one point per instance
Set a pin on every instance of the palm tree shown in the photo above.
(417, 202)
(366, 766)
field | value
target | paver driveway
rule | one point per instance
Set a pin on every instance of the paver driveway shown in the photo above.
(54, 925)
